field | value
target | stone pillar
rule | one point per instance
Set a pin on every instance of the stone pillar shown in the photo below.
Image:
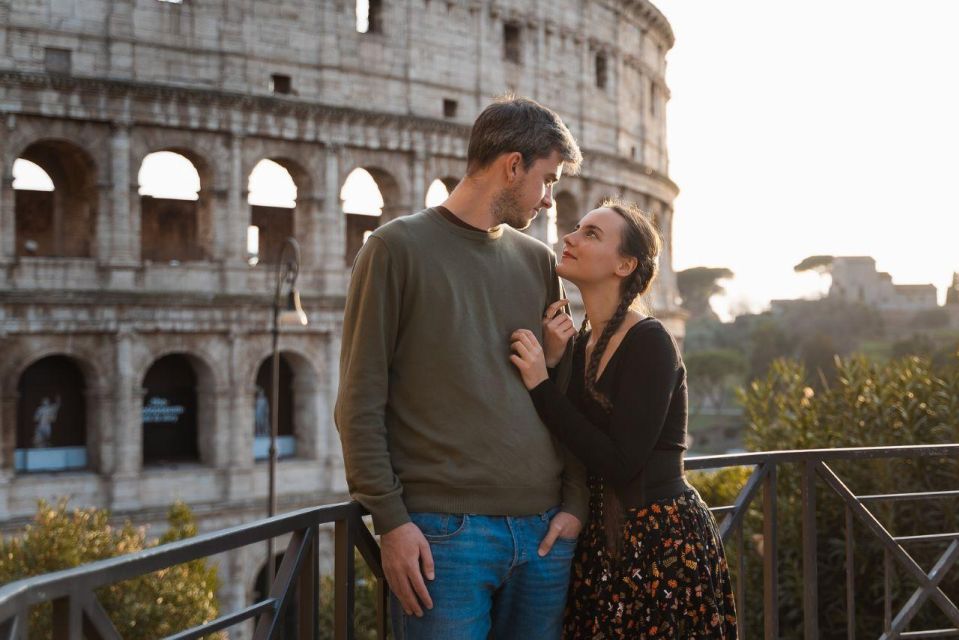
(334, 222)
(239, 473)
(124, 231)
(334, 451)
(237, 214)
(308, 228)
(8, 444)
(418, 180)
(100, 437)
(128, 438)
(8, 215)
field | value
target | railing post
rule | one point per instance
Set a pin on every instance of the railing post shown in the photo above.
(345, 576)
(67, 619)
(809, 568)
(850, 578)
(307, 589)
(770, 556)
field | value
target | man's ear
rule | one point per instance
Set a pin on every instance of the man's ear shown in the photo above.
(626, 266)
(513, 163)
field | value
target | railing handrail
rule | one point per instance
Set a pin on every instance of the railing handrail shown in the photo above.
(27, 592)
(694, 463)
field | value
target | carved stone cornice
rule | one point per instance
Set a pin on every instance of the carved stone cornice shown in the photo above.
(302, 109)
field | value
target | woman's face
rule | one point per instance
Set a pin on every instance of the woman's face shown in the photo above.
(591, 250)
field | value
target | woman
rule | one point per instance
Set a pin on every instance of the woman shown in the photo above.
(650, 562)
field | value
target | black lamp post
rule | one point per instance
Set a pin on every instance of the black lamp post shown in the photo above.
(287, 268)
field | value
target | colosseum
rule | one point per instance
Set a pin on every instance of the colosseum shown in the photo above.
(135, 324)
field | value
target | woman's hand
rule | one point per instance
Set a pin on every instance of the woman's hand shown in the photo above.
(557, 330)
(528, 357)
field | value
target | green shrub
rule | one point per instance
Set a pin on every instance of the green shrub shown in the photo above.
(146, 607)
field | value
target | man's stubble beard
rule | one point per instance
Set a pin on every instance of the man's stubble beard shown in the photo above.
(506, 208)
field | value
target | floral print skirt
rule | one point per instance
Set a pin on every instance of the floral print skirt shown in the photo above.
(669, 581)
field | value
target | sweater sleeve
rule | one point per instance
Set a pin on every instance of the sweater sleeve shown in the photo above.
(370, 326)
(641, 395)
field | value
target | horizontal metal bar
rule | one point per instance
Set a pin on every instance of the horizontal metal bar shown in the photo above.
(19, 595)
(931, 537)
(721, 511)
(225, 622)
(893, 497)
(802, 455)
(932, 633)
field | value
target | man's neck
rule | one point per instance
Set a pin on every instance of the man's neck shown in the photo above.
(472, 203)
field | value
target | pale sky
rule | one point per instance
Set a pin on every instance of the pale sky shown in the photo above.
(816, 127)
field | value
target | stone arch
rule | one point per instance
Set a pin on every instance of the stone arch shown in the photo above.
(275, 222)
(95, 386)
(175, 230)
(303, 399)
(358, 226)
(179, 396)
(567, 213)
(62, 222)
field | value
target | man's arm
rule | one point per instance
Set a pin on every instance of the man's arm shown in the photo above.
(370, 323)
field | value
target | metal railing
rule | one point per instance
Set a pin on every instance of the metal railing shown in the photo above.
(76, 612)
(815, 463)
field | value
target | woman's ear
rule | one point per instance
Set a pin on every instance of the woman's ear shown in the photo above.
(626, 266)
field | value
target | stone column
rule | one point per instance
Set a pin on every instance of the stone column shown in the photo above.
(124, 230)
(240, 463)
(100, 436)
(334, 222)
(8, 215)
(8, 444)
(236, 218)
(128, 438)
(334, 456)
(418, 180)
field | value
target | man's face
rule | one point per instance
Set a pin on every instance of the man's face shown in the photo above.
(519, 202)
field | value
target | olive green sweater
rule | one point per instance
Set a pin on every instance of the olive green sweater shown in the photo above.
(431, 413)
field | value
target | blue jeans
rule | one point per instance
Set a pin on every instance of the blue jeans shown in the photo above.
(490, 580)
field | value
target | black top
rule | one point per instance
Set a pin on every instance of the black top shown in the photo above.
(638, 448)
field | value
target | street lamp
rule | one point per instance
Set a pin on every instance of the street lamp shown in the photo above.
(287, 268)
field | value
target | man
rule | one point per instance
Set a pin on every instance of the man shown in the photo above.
(477, 506)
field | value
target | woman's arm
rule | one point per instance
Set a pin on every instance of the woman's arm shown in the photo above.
(648, 372)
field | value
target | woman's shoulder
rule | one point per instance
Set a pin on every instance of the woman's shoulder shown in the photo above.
(650, 334)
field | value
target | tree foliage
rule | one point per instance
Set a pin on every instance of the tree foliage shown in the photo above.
(869, 403)
(697, 285)
(146, 607)
(820, 264)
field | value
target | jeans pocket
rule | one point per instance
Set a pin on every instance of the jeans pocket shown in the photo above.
(440, 527)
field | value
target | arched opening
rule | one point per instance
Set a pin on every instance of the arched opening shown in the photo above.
(170, 411)
(289, 626)
(272, 202)
(55, 200)
(262, 407)
(566, 214)
(363, 206)
(440, 190)
(51, 416)
(174, 209)
(436, 194)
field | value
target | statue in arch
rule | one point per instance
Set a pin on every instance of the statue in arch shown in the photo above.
(44, 417)
(261, 413)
